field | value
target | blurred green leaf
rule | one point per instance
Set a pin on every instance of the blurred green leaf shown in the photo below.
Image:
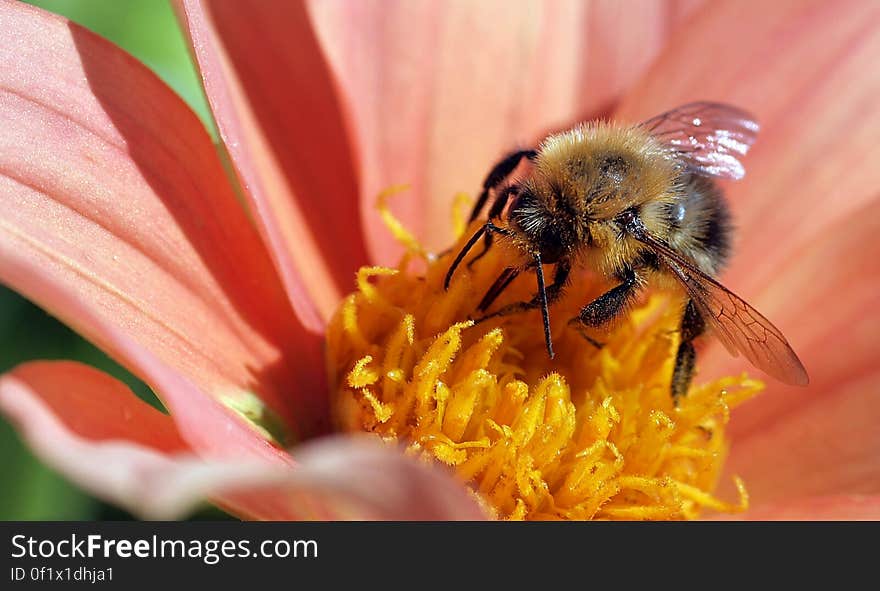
(31, 491)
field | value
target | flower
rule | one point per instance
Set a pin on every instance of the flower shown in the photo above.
(594, 434)
(118, 217)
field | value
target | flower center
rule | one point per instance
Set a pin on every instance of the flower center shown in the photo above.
(593, 433)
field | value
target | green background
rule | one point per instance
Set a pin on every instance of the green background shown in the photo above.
(28, 490)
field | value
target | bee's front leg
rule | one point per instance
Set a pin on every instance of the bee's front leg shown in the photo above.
(494, 214)
(546, 295)
(610, 304)
(552, 292)
(499, 173)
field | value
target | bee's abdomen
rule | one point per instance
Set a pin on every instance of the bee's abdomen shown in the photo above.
(700, 221)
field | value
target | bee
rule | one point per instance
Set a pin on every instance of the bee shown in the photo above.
(639, 204)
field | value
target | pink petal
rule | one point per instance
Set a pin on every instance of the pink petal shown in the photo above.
(361, 478)
(94, 405)
(835, 508)
(96, 432)
(680, 11)
(276, 107)
(118, 218)
(336, 478)
(807, 253)
(205, 424)
(824, 439)
(441, 90)
(786, 62)
(828, 444)
(111, 441)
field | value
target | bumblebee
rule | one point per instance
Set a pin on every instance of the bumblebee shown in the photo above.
(640, 205)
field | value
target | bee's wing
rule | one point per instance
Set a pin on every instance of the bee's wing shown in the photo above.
(740, 327)
(710, 138)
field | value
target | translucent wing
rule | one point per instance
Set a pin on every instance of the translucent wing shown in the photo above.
(740, 327)
(710, 138)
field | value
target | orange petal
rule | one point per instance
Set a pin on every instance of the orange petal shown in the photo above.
(95, 431)
(786, 62)
(118, 218)
(834, 508)
(441, 90)
(276, 108)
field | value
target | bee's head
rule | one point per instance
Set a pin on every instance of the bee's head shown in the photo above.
(533, 221)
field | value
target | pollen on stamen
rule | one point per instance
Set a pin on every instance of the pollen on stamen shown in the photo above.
(592, 434)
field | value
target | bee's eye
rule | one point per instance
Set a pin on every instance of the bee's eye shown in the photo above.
(524, 201)
(628, 216)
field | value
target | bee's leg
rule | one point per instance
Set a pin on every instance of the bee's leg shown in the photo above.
(487, 228)
(585, 335)
(546, 295)
(506, 278)
(692, 326)
(497, 175)
(497, 207)
(552, 291)
(607, 306)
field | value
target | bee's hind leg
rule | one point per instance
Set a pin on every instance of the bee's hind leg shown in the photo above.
(692, 326)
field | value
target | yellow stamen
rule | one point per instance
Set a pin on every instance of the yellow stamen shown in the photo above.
(593, 433)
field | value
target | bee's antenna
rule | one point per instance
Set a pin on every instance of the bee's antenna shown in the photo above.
(463, 253)
(487, 228)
